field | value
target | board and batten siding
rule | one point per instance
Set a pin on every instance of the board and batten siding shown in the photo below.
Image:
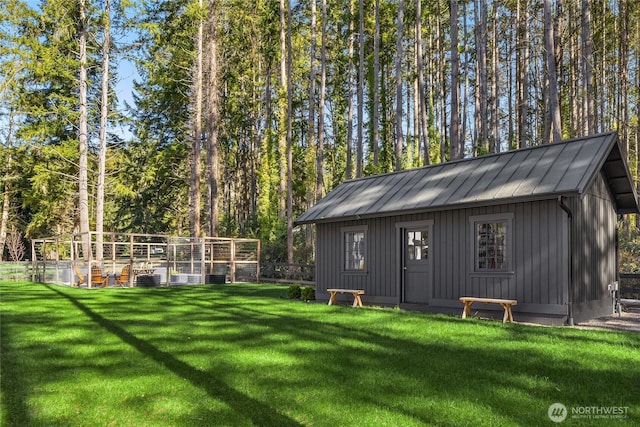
(538, 280)
(594, 252)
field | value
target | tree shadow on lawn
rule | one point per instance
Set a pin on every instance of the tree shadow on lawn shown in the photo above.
(510, 378)
(258, 412)
(361, 362)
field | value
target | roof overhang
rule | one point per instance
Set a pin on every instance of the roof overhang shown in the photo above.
(567, 169)
(618, 177)
(442, 208)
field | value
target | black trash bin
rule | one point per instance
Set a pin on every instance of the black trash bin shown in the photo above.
(148, 281)
(216, 279)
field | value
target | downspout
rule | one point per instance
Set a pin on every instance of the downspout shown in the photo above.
(566, 208)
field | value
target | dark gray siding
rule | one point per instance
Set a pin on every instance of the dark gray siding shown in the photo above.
(539, 280)
(594, 256)
(379, 277)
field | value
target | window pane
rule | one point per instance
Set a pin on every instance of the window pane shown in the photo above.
(417, 245)
(491, 246)
(354, 250)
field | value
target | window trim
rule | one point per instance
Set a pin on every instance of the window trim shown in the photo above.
(354, 229)
(507, 219)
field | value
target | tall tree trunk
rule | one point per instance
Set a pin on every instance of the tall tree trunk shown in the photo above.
(6, 191)
(282, 107)
(359, 142)
(83, 141)
(602, 95)
(289, 140)
(421, 96)
(455, 146)
(587, 70)
(624, 60)
(212, 122)
(311, 122)
(522, 64)
(196, 133)
(104, 111)
(399, 138)
(482, 119)
(350, 83)
(495, 85)
(376, 84)
(442, 84)
(552, 86)
(323, 84)
(465, 92)
(511, 136)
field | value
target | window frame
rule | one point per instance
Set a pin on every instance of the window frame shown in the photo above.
(508, 256)
(344, 231)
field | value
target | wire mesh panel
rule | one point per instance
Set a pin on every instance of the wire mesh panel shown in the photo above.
(246, 250)
(172, 259)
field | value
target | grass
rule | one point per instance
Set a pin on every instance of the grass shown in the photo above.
(245, 355)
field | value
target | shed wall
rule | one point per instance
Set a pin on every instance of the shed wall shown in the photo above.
(539, 280)
(595, 251)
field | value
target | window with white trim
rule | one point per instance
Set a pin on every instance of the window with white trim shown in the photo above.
(492, 242)
(354, 248)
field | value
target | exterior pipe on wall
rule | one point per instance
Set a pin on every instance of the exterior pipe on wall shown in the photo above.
(566, 208)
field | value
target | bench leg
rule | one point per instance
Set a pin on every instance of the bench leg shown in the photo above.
(357, 302)
(508, 316)
(332, 298)
(466, 311)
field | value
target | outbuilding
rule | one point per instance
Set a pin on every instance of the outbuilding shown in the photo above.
(537, 225)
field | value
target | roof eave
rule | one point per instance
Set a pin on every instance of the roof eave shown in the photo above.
(439, 208)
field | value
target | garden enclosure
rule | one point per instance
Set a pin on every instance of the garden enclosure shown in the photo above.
(153, 260)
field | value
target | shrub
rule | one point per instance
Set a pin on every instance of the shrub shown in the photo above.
(294, 291)
(308, 294)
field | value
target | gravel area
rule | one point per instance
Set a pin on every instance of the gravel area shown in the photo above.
(628, 320)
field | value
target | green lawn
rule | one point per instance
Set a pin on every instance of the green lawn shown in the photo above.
(243, 354)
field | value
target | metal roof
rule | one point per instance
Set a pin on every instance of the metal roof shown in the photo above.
(547, 171)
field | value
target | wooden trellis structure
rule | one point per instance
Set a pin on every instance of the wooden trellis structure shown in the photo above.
(159, 260)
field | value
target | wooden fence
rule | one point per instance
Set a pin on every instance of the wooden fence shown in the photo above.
(153, 259)
(630, 285)
(15, 271)
(288, 273)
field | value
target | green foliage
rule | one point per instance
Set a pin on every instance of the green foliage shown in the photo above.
(274, 241)
(148, 170)
(151, 194)
(308, 293)
(294, 292)
(629, 250)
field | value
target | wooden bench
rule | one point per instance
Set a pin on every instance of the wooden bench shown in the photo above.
(357, 302)
(504, 303)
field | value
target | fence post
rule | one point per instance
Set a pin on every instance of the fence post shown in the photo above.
(34, 260)
(131, 260)
(258, 263)
(233, 260)
(168, 280)
(202, 260)
(57, 261)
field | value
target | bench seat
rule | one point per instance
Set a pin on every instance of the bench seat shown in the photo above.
(357, 302)
(506, 304)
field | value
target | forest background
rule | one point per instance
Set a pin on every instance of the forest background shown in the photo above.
(245, 112)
